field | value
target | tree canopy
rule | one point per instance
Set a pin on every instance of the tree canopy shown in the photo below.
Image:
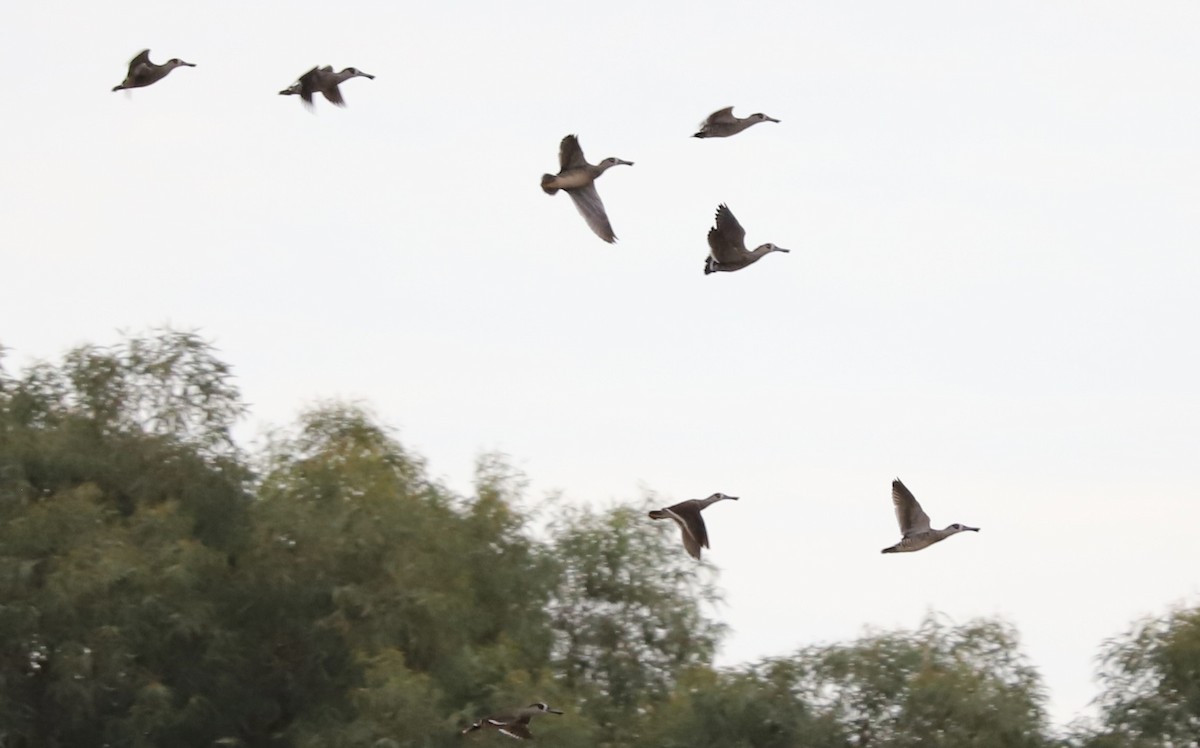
(160, 585)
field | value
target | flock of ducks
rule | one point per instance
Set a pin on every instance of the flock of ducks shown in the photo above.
(726, 240)
(914, 522)
(576, 177)
(727, 253)
(915, 531)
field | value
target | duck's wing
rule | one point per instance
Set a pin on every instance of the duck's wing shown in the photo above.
(309, 84)
(720, 117)
(516, 727)
(143, 58)
(695, 534)
(909, 514)
(587, 202)
(570, 154)
(727, 239)
(333, 93)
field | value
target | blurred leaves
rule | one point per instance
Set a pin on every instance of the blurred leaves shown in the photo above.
(1150, 680)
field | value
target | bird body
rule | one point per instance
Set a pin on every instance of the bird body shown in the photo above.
(514, 724)
(142, 72)
(570, 180)
(914, 523)
(577, 178)
(325, 81)
(686, 514)
(727, 245)
(722, 123)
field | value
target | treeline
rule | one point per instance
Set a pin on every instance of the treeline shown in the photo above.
(162, 586)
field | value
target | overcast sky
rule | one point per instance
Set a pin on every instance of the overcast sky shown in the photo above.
(992, 292)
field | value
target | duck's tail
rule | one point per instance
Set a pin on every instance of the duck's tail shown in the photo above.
(547, 181)
(710, 265)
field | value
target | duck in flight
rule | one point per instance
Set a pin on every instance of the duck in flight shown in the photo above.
(914, 523)
(722, 123)
(727, 245)
(578, 179)
(142, 72)
(514, 724)
(325, 81)
(687, 515)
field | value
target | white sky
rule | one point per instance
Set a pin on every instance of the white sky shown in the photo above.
(992, 291)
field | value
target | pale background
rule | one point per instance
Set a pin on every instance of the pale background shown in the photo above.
(992, 289)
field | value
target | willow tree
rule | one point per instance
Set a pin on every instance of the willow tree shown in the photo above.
(1150, 680)
(631, 612)
(122, 503)
(948, 686)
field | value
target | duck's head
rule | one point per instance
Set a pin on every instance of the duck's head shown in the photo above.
(613, 161)
(356, 73)
(175, 62)
(956, 527)
(760, 117)
(541, 707)
(769, 247)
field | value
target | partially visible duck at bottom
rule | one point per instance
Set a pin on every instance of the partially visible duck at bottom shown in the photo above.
(514, 724)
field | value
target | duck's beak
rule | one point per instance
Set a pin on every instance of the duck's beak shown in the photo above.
(623, 161)
(367, 75)
(189, 64)
(771, 119)
(553, 711)
(781, 249)
(972, 529)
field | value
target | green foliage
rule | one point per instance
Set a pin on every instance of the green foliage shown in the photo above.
(736, 709)
(171, 384)
(628, 614)
(147, 421)
(1150, 678)
(159, 586)
(936, 686)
